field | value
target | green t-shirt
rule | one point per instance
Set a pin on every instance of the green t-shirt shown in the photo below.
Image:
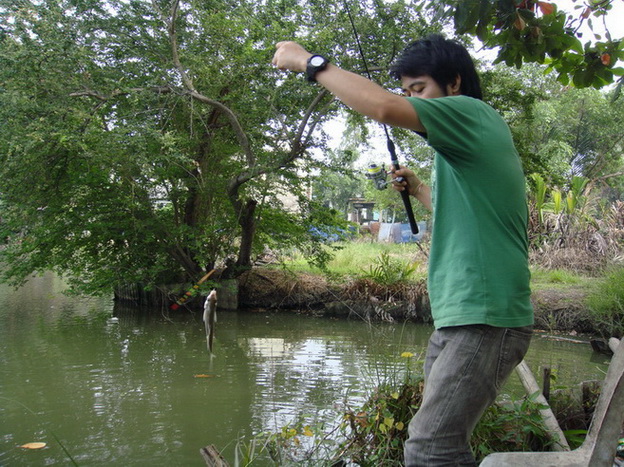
(478, 265)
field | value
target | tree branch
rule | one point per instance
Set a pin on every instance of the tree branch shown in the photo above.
(119, 92)
(173, 37)
(188, 83)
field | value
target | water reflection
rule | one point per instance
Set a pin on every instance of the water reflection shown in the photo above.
(143, 390)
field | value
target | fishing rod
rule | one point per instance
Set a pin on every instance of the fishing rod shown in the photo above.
(394, 160)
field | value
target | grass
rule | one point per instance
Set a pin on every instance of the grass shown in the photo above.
(555, 277)
(606, 302)
(390, 263)
(352, 258)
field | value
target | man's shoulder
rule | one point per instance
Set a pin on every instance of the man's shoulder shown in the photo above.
(454, 103)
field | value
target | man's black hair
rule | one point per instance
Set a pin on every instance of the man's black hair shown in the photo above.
(442, 59)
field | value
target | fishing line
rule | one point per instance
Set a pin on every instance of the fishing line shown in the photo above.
(390, 144)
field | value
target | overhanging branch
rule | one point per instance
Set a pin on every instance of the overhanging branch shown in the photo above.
(188, 83)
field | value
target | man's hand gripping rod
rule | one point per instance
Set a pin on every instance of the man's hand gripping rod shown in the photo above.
(405, 193)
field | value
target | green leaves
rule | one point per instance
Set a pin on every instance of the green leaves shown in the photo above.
(529, 31)
(390, 271)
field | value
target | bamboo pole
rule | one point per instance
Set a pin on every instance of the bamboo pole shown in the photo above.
(531, 387)
(614, 343)
(213, 457)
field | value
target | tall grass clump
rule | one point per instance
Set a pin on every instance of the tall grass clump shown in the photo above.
(388, 271)
(349, 258)
(606, 303)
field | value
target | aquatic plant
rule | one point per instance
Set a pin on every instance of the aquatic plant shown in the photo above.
(510, 427)
(373, 434)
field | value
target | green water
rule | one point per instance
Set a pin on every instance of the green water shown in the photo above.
(144, 391)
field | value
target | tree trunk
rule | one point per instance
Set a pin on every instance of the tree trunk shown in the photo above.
(247, 221)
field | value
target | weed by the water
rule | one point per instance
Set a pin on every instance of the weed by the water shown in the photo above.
(508, 428)
(388, 271)
(373, 433)
(376, 432)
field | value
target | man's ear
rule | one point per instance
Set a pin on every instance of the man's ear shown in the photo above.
(454, 89)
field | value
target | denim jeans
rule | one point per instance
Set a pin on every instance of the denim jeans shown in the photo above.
(465, 368)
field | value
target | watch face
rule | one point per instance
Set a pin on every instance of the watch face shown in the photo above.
(317, 61)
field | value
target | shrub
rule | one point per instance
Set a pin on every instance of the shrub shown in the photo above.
(388, 271)
(508, 428)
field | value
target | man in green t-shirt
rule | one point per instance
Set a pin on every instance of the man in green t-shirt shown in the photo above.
(478, 266)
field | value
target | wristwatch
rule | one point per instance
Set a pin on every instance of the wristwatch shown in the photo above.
(316, 63)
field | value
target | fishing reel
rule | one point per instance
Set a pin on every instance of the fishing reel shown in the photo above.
(378, 175)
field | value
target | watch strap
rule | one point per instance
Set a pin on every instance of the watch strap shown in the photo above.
(312, 70)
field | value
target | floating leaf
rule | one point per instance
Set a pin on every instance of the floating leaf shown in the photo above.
(34, 445)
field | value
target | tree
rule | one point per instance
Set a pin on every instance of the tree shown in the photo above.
(578, 134)
(148, 141)
(527, 31)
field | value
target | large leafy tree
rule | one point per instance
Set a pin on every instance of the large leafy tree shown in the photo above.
(147, 141)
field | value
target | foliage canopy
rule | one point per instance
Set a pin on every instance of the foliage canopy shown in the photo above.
(150, 141)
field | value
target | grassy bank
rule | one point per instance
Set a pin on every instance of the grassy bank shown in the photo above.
(352, 259)
(563, 297)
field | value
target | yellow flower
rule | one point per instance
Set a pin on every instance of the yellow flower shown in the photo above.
(407, 354)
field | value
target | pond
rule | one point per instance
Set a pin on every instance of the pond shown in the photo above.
(143, 390)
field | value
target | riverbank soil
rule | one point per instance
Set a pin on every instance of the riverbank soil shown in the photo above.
(262, 289)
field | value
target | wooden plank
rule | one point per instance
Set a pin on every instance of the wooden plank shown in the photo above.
(546, 382)
(599, 447)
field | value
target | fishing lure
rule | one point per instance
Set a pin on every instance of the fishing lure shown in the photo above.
(190, 293)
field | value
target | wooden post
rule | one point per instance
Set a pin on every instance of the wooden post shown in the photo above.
(614, 343)
(546, 383)
(531, 387)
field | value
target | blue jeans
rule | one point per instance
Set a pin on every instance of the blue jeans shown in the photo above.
(465, 367)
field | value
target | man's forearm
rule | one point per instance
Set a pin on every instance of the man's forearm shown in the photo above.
(423, 194)
(357, 92)
(368, 98)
